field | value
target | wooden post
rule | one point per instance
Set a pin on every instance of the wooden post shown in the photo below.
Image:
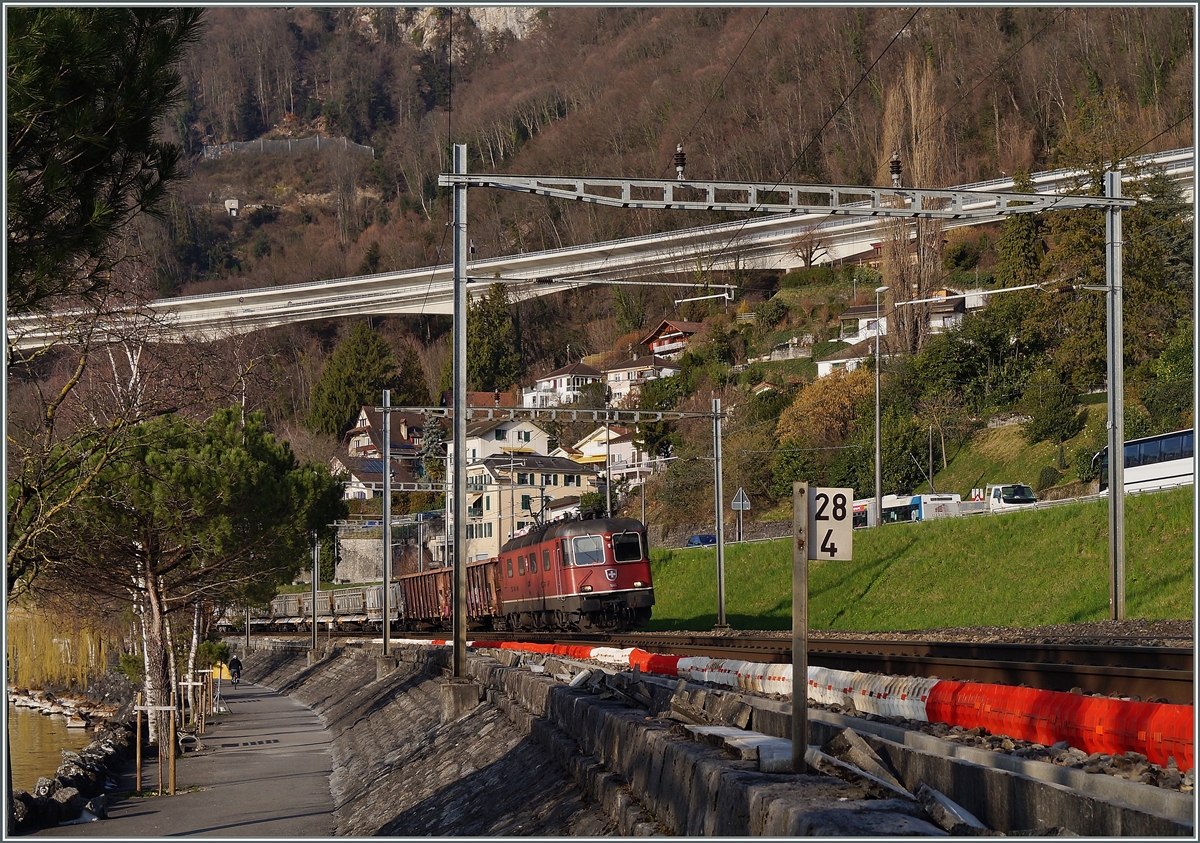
(138, 741)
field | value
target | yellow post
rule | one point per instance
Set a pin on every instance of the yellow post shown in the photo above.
(138, 742)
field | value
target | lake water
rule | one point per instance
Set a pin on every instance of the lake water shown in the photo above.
(36, 742)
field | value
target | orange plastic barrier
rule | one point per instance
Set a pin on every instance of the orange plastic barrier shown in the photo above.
(1093, 724)
(654, 663)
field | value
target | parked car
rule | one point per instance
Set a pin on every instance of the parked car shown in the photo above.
(701, 541)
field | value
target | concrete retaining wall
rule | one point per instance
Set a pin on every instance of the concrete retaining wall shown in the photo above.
(647, 772)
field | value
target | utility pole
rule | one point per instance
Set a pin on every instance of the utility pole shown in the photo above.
(1116, 399)
(719, 496)
(387, 522)
(460, 414)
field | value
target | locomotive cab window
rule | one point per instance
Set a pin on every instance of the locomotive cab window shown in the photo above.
(520, 564)
(627, 547)
(589, 550)
(545, 560)
(510, 573)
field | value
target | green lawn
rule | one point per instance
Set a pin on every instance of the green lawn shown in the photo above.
(1017, 569)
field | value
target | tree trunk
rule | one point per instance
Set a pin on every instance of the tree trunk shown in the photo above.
(191, 662)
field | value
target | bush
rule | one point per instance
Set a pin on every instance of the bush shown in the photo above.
(132, 666)
(1049, 476)
(804, 277)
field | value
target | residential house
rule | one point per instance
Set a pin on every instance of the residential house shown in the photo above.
(362, 467)
(626, 379)
(847, 359)
(562, 386)
(490, 437)
(613, 451)
(858, 322)
(506, 494)
(670, 338)
(363, 476)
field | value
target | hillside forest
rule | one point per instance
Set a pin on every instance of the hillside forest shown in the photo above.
(817, 94)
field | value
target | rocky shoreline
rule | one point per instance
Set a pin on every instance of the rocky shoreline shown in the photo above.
(78, 790)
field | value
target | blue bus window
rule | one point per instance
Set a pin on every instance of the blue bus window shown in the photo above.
(1189, 440)
(1150, 452)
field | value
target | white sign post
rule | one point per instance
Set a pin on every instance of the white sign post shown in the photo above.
(741, 503)
(822, 528)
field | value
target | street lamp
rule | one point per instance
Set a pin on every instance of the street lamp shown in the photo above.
(878, 464)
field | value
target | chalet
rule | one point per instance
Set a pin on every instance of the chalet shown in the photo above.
(670, 339)
(365, 439)
(562, 386)
(626, 379)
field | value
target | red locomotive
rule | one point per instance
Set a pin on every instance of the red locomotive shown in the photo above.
(567, 575)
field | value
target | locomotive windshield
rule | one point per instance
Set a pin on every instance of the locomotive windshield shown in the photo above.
(627, 547)
(589, 550)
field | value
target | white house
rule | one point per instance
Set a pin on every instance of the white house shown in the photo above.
(846, 359)
(626, 379)
(615, 446)
(562, 386)
(858, 322)
(492, 437)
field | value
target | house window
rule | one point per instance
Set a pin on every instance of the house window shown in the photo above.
(487, 502)
(525, 501)
(500, 434)
(523, 479)
(547, 479)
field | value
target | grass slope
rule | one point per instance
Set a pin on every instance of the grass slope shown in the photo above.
(1018, 569)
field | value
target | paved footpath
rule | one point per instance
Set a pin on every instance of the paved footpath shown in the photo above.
(263, 772)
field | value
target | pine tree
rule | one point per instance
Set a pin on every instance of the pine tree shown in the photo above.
(1020, 243)
(493, 347)
(356, 373)
(87, 90)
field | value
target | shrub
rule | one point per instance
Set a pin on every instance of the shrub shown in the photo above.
(132, 666)
(1049, 476)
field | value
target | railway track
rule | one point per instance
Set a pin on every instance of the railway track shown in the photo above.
(1158, 673)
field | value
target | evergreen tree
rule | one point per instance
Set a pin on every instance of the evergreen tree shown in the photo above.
(1051, 408)
(1020, 244)
(88, 89)
(493, 345)
(356, 373)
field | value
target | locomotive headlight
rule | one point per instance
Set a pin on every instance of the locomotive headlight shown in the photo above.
(585, 588)
(638, 584)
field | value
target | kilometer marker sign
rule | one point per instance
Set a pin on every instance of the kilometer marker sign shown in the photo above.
(830, 523)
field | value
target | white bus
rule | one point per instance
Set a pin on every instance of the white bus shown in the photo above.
(1154, 462)
(900, 508)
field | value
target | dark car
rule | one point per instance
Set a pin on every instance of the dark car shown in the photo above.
(701, 541)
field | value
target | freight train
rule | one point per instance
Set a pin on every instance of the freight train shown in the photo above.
(564, 576)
